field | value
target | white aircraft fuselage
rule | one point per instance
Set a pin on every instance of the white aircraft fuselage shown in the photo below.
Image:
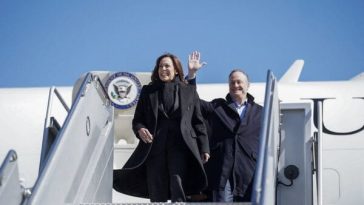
(23, 114)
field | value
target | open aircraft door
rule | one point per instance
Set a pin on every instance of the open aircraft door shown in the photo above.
(285, 167)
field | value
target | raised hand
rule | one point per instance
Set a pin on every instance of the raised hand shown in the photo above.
(194, 64)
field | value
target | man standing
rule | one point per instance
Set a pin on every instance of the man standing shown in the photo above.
(234, 137)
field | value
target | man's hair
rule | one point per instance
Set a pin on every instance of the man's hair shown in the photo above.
(239, 70)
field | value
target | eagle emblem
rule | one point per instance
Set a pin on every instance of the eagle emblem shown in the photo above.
(123, 89)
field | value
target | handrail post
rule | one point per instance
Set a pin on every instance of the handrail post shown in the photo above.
(319, 155)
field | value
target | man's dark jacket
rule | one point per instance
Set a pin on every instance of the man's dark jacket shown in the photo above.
(131, 179)
(234, 143)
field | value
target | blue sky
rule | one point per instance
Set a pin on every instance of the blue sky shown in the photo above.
(45, 43)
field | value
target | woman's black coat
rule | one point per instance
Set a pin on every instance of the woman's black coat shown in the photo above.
(131, 179)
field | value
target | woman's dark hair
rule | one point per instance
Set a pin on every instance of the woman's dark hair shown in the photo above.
(176, 64)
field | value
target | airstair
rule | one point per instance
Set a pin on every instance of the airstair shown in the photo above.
(77, 157)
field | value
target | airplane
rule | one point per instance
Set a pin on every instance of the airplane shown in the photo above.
(60, 145)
